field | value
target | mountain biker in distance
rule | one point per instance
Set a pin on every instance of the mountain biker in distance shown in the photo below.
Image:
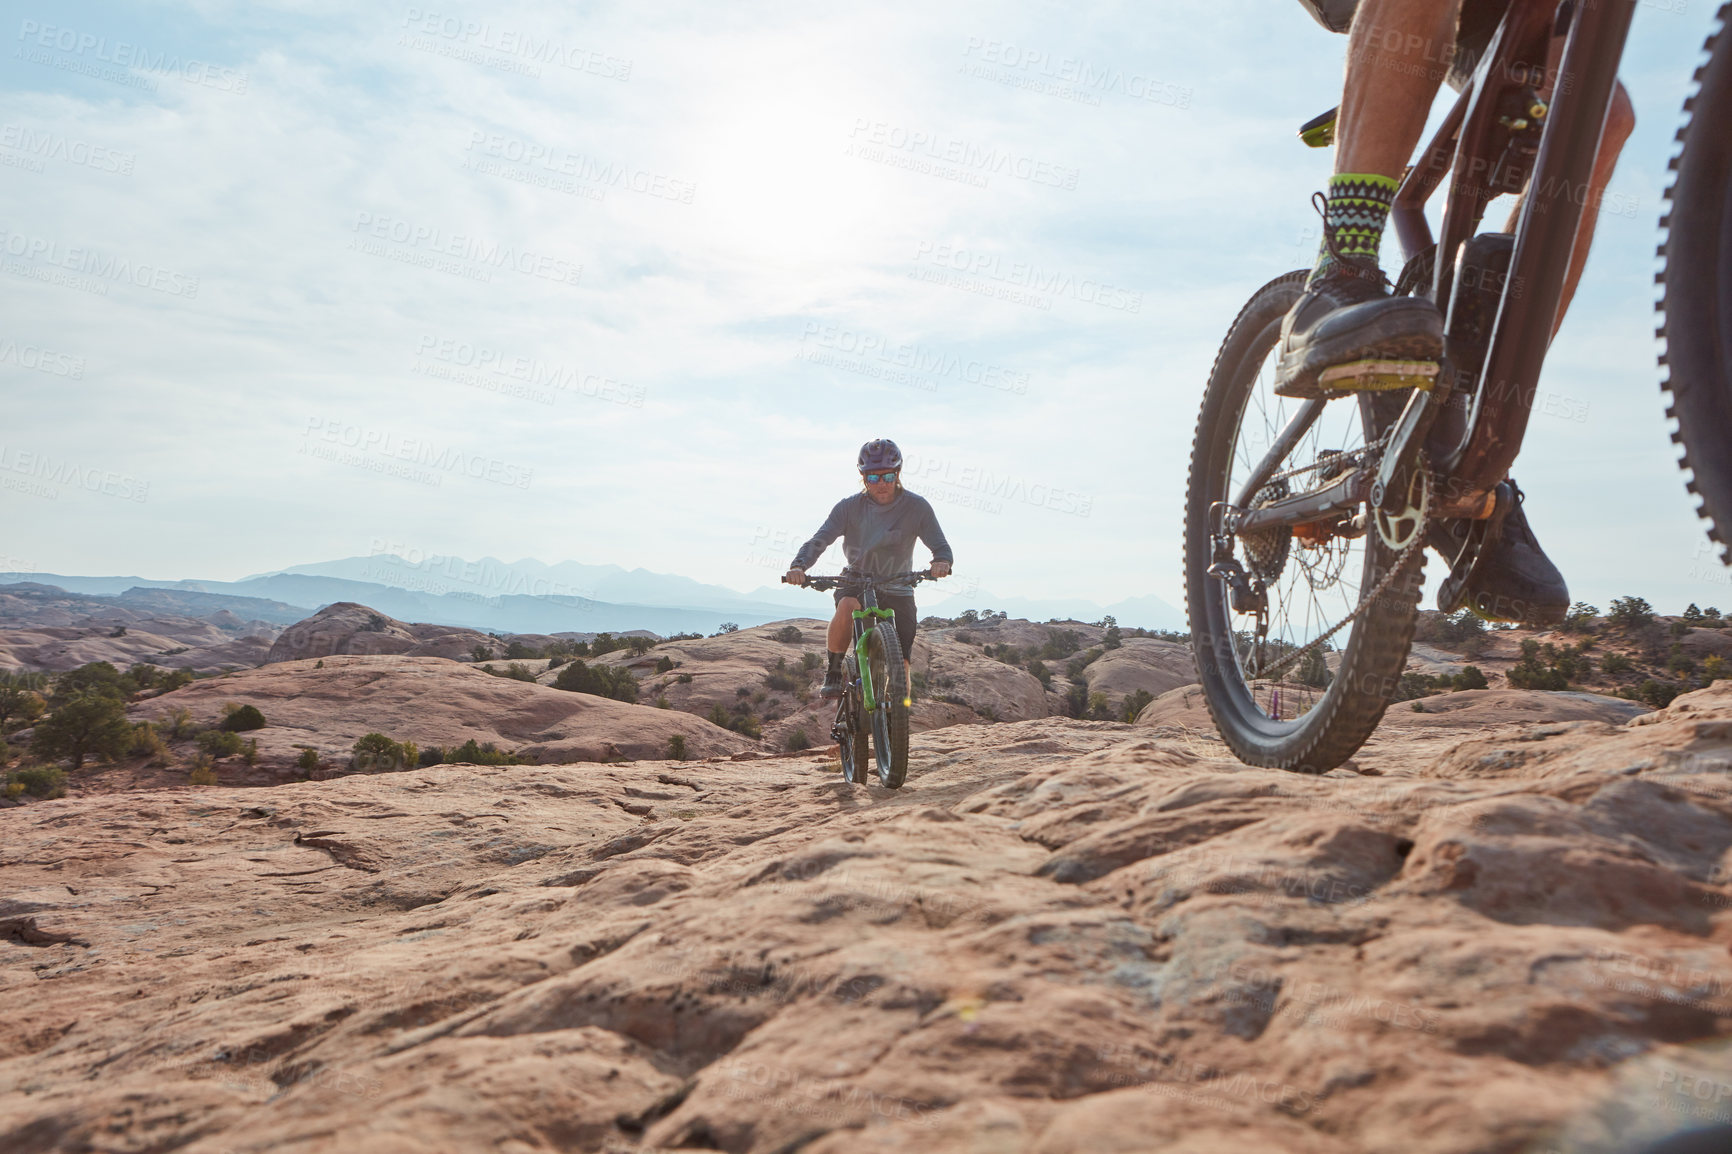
(1398, 53)
(878, 526)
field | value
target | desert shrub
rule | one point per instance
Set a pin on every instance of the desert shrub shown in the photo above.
(309, 759)
(1041, 673)
(241, 719)
(375, 751)
(789, 635)
(1114, 636)
(556, 661)
(21, 701)
(1631, 612)
(684, 637)
(1059, 644)
(176, 725)
(1713, 669)
(43, 781)
(1076, 700)
(810, 661)
(90, 724)
(1470, 678)
(783, 679)
(203, 772)
(518, 651)
(1073, 668)
(517, 671)
(1711, 618)
(1313, 670)
(176, 680)
(432, 755)
(250, 751)
(664, 664)
(1616, 663)
(662, 701)
(718, 715)
(1133, 704)
(743, 691)
(1692, 614)
(1679, 663)
(147, 742)
(725, 627)
(683, 679)
(1659, 694)
(219, 742)
(677, 747)
(481, 652)
(1580, 618)
(640, 645)
(471, 753)
(796, 741)
(601, 680)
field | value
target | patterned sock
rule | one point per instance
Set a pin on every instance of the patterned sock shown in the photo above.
(1357, 205)
(835, 662)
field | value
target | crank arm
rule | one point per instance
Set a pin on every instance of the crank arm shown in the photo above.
(1406, 438)
(1296, 428)
(1343, 496)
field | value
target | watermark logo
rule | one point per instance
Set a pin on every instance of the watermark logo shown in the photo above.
(987, 490)
(562, 170)
(904, 363)
(408, 458)
(504, 48)
(31, 149)
(87, 269)
(41, 359)
(1065, 77)
(38, 474)
(1019, 282)
(525, 378)
(950, 158)
(119, 61)
(455, 254)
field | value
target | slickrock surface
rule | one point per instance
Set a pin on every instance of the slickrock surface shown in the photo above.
(348, 628)
(1060, 937)
(429, 701)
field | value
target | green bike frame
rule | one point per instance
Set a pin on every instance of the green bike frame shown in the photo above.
(865, 665)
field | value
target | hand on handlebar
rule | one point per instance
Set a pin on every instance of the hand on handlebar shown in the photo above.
(794, 577)
(939, 569)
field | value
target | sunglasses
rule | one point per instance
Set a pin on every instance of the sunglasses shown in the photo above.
(874, 478)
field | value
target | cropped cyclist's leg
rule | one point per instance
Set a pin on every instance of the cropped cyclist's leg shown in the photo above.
(841, 632)
(1398, 53)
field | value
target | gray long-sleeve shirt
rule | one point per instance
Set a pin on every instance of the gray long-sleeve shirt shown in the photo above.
(878, 539)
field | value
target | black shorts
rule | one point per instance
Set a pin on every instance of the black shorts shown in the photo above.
(906, 615)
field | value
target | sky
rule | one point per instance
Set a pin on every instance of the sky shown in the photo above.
(630, 283)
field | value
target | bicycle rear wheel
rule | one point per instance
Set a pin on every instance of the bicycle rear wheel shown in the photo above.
(850, 729)
(1697, 297)
(1302, 681)
(890, 694)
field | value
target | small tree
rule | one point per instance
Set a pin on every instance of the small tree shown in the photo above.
(789, 635)
(376, 751)
(1631, 612)
(664, 664)
(88, 725)
(725, 627)
(1693, 615)
(481, 652)
(1580, 618)
(1470, 677)
(1133, 704)
(677, 747)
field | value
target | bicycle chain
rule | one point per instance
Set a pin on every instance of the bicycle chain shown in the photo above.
(1395, 568)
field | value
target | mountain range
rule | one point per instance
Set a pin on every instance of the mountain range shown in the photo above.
(530, 596)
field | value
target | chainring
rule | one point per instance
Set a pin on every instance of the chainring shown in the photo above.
(1397, 530)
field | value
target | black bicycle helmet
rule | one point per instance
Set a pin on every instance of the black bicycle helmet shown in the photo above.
(879, 456)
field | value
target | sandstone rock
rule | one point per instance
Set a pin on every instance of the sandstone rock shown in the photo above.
(1141, 663)
(348, 628)
(1059, 937)
(433, 702)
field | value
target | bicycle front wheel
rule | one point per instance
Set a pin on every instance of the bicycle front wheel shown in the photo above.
(1697, 301)
(890, 696)
(850, 729)
(1299, 667)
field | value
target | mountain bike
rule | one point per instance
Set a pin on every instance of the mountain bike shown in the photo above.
(1306, 522)
(875, 694)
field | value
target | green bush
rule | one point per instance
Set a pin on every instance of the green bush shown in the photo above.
(88, 724)
(810, 661)
(147, 742)
(243, 719)
(1041, 673)
(1076, 700)
(518, 651)
(203, 772)
(783, 679)
(1713, 669)
(1313, 670)
(1659, 694)
(375, 751)
(683, 679)
(469, 753)
(219, 742)
(481, 652)
(1616, 663)
(1631, 612)
(42, 781)
(664, 664)
(796, 741)
(309, 759)
(21, 701)
(1133, 704)
(677, 747)
(600, 680)
(789, 635)
(719, 715)
(725, 628)
(1060, 643)
(1470, 678)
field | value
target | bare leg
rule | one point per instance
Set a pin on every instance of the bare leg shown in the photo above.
(842, 625)
(1397, 54)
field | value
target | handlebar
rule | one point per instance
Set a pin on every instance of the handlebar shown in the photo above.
(828, 582)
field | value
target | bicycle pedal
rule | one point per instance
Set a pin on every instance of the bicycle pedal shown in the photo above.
(1378, 376)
